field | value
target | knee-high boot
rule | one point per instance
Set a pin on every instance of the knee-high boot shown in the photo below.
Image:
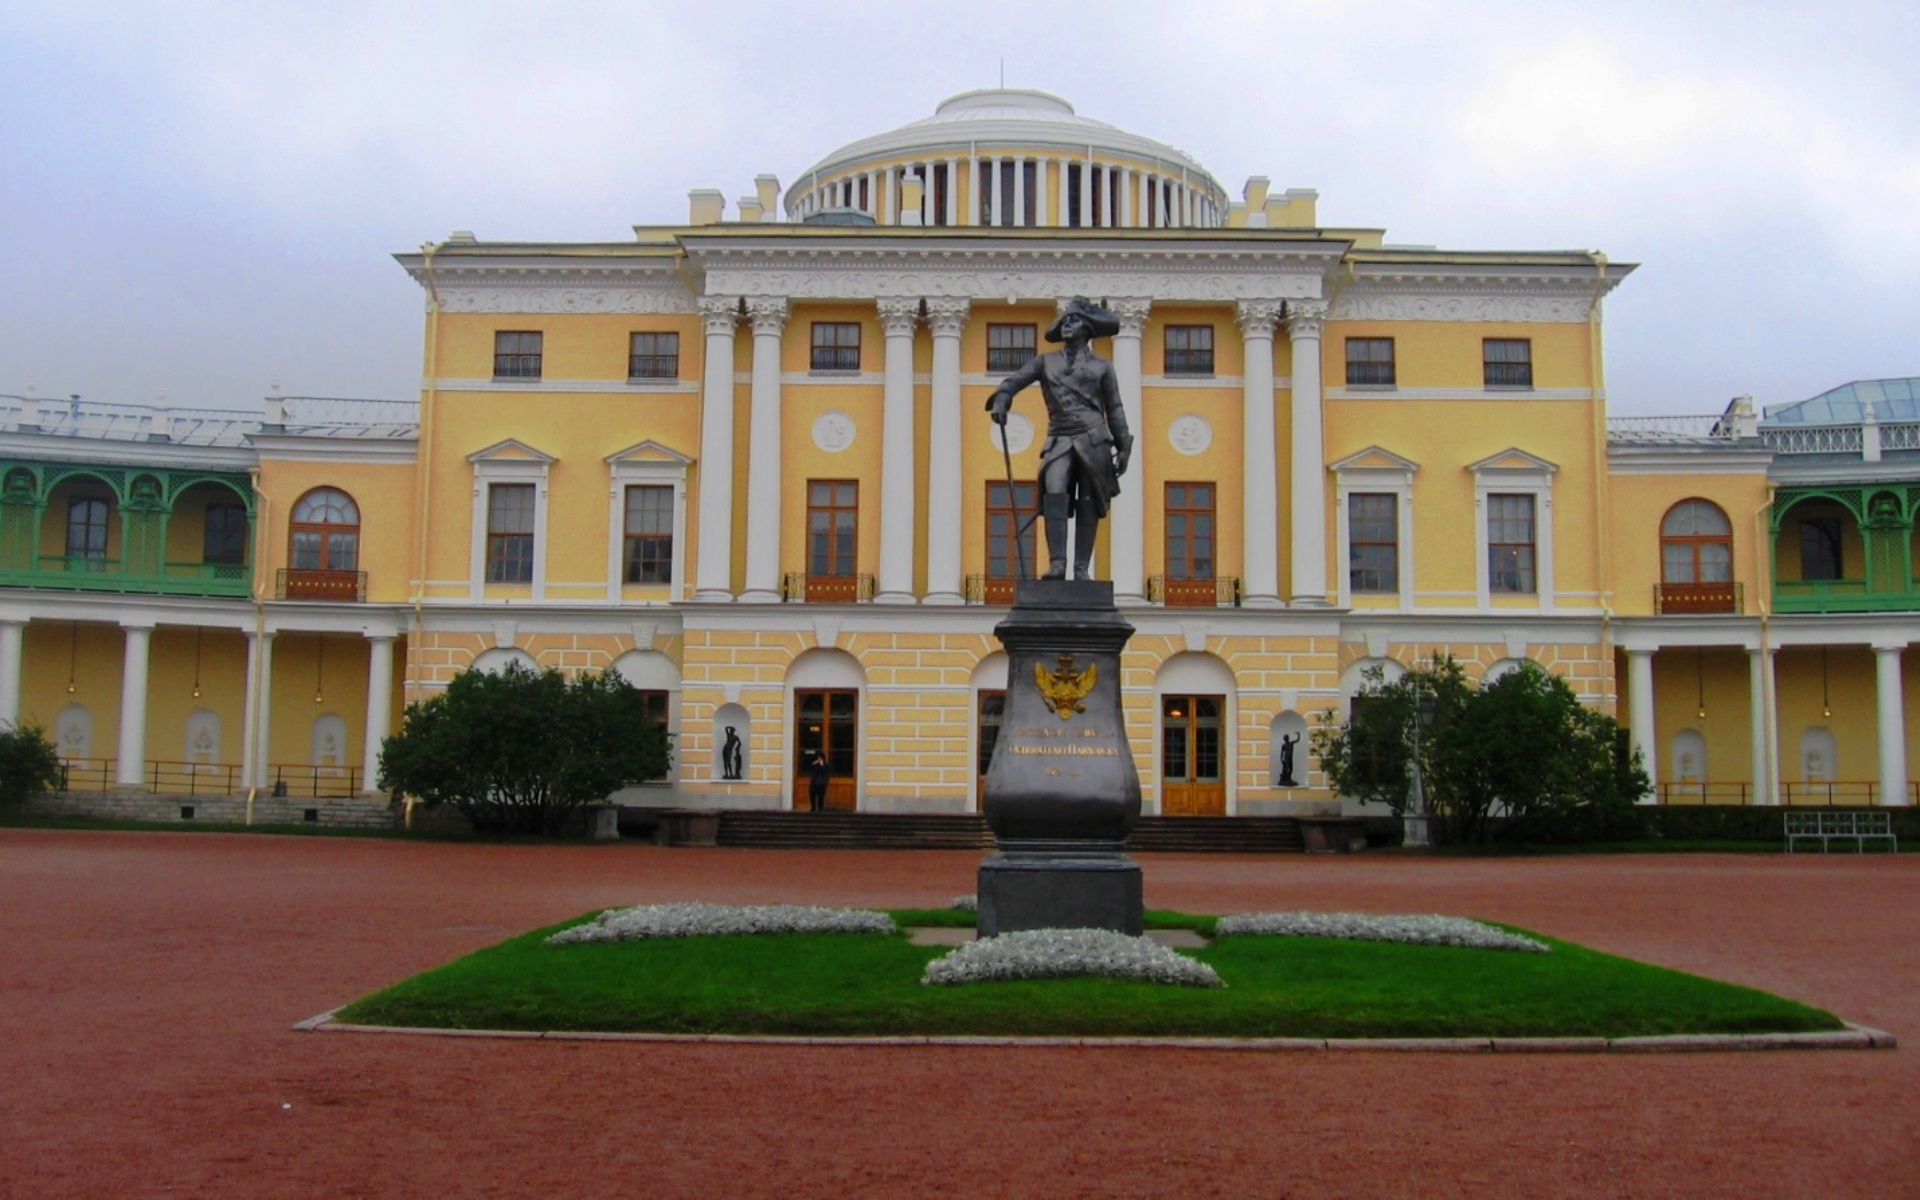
(1053, 509)
(1086, 527)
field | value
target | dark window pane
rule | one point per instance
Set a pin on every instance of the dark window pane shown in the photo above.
(654, 356)
(516, 355)
(649, 534)
(1370, 361)
(836, 346)
(226, 534)
(1189, 350)
(1009, 347)
(1508, 362)
(1820, 553)
(1373, 543)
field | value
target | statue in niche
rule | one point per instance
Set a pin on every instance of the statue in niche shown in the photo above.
(1286, 779)
(1816, 766)
(1686, 766)
(732, 757)
(1088, 442)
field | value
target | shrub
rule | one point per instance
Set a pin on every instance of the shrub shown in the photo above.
(1521, 752)
(518, 751)
(29, 764)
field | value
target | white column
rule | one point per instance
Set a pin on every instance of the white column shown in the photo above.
(713, 577)
(953, 190)
(1086, 193)
(1020, 190)
(898, 518)
(259, 714)
(1260, 472)
(893, 196)
(769, 317)
(1760, 720)
(948, 317)
(132, 768)
(379, 705)
(1640, 724)
(1893, 725)
(1128, 531)
(1304, 318)
(873, 195)
(973, 189)
(12, 655)
(1126, 197)
(1042, 193)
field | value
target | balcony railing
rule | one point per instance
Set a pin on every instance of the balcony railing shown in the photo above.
(211, 779)
(1840, 595)
(1671, 598)
(348, 586)
(826, 589)
(1222, 591)
(989, 589)
(88, 574)
(1839, 793)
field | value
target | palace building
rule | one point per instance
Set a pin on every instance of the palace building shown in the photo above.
(743, 460)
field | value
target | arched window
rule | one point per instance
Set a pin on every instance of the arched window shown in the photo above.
(325, 532)
(1696, 560)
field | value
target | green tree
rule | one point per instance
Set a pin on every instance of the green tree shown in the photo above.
(1520, 754)
(29, 764)
(518, 751)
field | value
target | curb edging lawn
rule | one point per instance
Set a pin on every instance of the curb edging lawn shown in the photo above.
(1853, 1037)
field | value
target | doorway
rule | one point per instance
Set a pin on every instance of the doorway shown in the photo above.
(826, 723)
(1191, 754)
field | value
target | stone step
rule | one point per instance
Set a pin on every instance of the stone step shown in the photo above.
(968, 831)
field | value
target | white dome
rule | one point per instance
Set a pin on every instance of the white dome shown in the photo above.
(1020, 118)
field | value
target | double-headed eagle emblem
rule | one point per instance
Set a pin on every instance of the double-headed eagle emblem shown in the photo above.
(1064, 689)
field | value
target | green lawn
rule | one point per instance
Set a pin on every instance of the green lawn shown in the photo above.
(839, 984)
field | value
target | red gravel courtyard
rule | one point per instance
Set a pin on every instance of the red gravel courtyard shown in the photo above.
(149, 982)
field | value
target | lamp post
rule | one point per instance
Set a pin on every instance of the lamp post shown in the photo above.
(1416, 815)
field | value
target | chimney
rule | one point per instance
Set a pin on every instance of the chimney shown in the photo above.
(767, 187)
(1255, 195)
(912, 196)
(1293, 210)
(705, 206)
(750, 210)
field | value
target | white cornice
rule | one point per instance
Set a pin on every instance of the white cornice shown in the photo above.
(1473, 292)
(1192, 271)
(1675, 460)
(174, 456)
(604, 283)
(309, 448)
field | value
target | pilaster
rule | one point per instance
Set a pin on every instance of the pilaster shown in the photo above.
(947, 317)
(713, 581)
(898, 516)
(1304, 319)
(769, 317)
(1260, 522)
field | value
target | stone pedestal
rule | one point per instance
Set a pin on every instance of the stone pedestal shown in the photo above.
(1061, 792)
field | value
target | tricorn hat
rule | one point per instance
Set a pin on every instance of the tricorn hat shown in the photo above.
(1100, 322)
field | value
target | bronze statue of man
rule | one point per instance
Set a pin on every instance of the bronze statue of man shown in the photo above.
(1088, 443)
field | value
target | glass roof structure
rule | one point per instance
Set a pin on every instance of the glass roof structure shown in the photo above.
(1892, 400)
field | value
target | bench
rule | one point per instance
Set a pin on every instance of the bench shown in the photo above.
(1860, 826)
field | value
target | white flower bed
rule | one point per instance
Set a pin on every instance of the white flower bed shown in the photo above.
(1062, 953)
(708, 920)
(1430, 930)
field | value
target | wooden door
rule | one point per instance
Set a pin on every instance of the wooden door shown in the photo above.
(1193, 756)
(826, 722)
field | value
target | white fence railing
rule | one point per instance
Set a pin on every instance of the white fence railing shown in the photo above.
(1812, 439)
(1668, 429)
(311, 415)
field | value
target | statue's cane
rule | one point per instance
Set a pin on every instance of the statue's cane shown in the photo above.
(1013, 498)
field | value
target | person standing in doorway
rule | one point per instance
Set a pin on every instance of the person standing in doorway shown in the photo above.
(817, 786)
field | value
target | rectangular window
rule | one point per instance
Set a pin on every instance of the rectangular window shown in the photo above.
(1009, 347)
(1508, 361)
(1373, 542)
(516, 355)
(1820, 553)
(654, 356)
(1073, 195)
(1189, 350)
(1370, 362)
(649, 557)
(833, 527)
(86, 528)
(1190, 531)
(836, 346)
(1510, 548)
(1007, 512)
(510, 533)
(226, 535)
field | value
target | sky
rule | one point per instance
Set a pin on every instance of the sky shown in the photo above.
(200, 200)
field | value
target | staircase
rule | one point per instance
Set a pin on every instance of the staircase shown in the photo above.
(782, 830)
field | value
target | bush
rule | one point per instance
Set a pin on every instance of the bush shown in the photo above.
(1521, 754)
(517, 752)
(29, 764)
